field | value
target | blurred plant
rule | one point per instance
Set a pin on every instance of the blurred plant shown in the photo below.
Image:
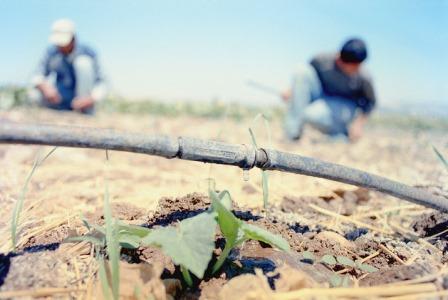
(264, 173)
(331, 261)
(19, 204)
(190, 243)
(236, 231)
(441, 157)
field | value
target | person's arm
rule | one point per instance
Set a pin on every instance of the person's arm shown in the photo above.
(356, 129)
(49, 92)
(366, 104)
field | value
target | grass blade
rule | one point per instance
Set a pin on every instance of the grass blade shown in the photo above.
(104, 278)
(19, 204)
(265, 185)
(113, 247)
(441, 157)
(264, 173)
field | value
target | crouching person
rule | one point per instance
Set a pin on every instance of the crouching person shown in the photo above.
(332, 93)
(68, 77)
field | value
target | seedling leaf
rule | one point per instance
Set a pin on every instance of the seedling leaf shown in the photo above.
(265, 185)
(236, 232)
(85, 238)
(335, 280)
(367, 268)
(441, 157)
(113, 246)
(328, 259)
(129, 241)
(228, 223)
(186, 275)
(104, 278)
(308, 256)
(190, 244)
(229, 226)
(345, 261)
(19, 204)
(264, 173)
(345, 281)
(225, 199)
(138, 231)
(260, 234)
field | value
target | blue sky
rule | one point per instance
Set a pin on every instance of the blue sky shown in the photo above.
(206, 50)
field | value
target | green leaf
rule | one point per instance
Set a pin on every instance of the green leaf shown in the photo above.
(345, 261)
(128, 241)
(265, 185)
(252, 135)
(223, 197)
(328, 259)
(228, 223)
(113, 246)
(366, 268)
(226, 199)
(85, 238)
(229, 226)
(86, 223)
(260, 234)
(100, 230)
(307, 255)
(345, 281)
(19, 204)
(335, 280)
(186, 275)
(104, 278)
(136, 230)
(264, 173)
(190, 244)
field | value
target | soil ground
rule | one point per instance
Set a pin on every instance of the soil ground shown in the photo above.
(314, 215)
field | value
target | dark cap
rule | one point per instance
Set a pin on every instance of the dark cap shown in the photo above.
(354, 51)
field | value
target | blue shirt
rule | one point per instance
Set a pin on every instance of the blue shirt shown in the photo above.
(357, 88)
(55, 62)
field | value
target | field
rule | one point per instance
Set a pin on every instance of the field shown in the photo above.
(403, 244)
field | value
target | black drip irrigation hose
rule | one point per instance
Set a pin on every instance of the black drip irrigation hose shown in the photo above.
(243, 156)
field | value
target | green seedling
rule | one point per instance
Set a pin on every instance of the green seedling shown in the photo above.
(104, 278)
(339, 281)
(236, 231)
(112, 246)
(336, 280)
(190, 244)
(19, 204)
(328, 260)
(365, 267)
(264, 173)
(308, 256)
(347, 262)
(129, 236)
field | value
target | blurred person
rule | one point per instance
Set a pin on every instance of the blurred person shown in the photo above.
(68, 77)
(332, 93)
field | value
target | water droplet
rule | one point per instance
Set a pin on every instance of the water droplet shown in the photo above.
(246, 175)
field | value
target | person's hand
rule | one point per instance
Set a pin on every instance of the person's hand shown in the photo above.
(356, 129)
(286, 95)
(82, 103)
(50, 93)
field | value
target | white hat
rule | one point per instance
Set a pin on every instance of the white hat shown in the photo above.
(62, 32)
